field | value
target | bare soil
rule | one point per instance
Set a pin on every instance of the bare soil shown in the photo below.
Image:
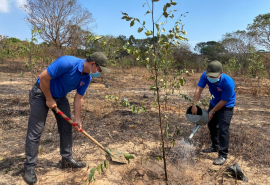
(138, 134)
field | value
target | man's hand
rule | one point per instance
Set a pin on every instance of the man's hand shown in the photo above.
(51, 103)
(210, 115)
(79, 125)
(194, 109)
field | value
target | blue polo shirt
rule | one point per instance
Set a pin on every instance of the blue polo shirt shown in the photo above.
(66, 74)
(223, 90)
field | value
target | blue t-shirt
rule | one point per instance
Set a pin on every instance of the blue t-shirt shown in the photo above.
(223, 90)
(66, 74)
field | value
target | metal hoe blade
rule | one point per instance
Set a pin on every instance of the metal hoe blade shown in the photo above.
(116, 155)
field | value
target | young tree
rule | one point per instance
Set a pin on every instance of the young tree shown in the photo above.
(56, 18)
(261, 28)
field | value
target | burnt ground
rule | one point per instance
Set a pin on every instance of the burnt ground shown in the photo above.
(117, 127)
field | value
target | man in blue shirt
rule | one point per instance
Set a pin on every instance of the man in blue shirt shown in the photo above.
(65, 74)
(221, 87)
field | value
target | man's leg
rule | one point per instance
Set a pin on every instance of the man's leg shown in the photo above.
(213, 128)
(64, 128)
(36, 123)
(225, 116)
(65, 131)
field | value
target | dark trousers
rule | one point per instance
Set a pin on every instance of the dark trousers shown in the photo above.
(219, 129)
(36, 124)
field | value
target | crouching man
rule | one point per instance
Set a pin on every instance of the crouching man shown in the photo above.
(65, 74)
(221, 86)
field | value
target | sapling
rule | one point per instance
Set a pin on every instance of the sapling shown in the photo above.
(158, 55)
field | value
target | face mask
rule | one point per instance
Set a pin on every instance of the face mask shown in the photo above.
(95, 75)
(213, 80)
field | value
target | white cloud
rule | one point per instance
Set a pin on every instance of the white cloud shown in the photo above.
(4, 6)
(19, 3)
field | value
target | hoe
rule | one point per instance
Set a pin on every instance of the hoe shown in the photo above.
(115, 155)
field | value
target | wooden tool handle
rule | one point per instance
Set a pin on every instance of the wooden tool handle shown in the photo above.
(81, 130)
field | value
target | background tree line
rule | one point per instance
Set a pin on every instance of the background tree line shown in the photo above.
(66, 29)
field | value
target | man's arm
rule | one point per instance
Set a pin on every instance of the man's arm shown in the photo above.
(220, 104)
(196, 98)
(44, 79)
(78, 101)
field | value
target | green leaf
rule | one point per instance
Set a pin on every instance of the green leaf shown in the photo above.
(124, 13)
(171, 35)
(124, 17)
(157, 26)
(172, 16)
(1, 158)
(137, 19)
(173, 3)
(168, 134)
(148, 33)
(106, 164)
(178, 132)
(147, 12)
(143, 4)
(163, 30)
(98, 168)
(184, 32)
(164, 8)
(177, 42)
(140, 30)
(92, 175)
(182, 81)
(133, 108)
(152, 87)
(129, 156)
(143, 23)
(129, 18)
(146, 159)
(164, 38)
(155, 0)
(151, 78)
(101, 167)
(139, 110)
(173, 142)
(165, 14)
(132, 23)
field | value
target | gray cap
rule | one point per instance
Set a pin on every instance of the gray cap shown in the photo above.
(214, 68)
(100, 59)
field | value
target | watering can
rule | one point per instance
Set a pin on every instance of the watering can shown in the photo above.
(201, 118)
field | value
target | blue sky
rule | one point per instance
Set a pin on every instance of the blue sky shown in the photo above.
(207, 20)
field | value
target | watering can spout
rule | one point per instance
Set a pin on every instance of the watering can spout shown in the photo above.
(196, 128)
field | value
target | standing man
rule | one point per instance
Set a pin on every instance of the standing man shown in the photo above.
(65, 74)
(221, 86)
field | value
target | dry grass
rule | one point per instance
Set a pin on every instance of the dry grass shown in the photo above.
(116, 127)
